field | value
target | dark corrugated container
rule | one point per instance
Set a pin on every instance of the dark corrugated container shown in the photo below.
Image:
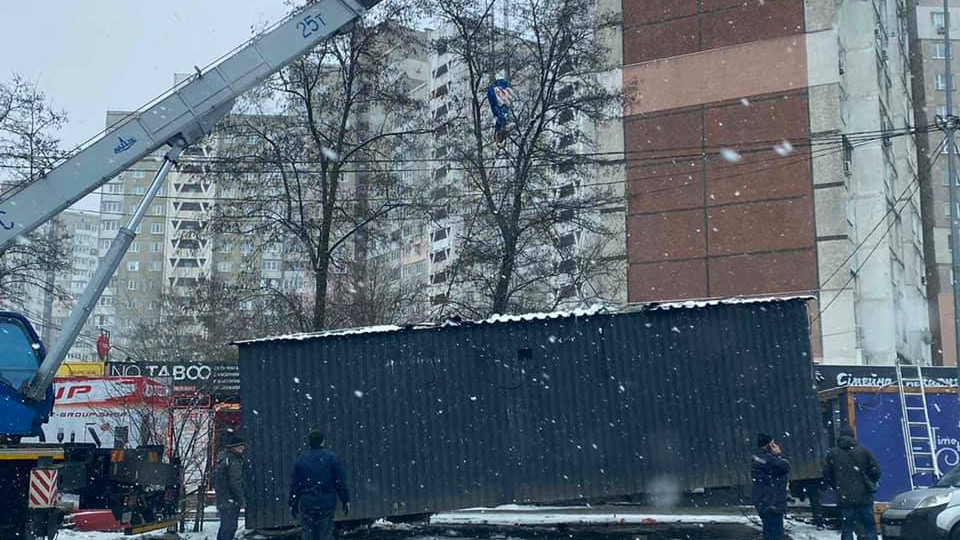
(533, 408)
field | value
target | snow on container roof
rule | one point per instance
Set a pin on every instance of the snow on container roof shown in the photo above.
(499, 319)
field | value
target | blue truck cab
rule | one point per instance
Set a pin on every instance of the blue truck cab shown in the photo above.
(21, 353)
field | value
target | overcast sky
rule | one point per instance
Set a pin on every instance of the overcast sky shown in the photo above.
(93, 55)
(90, 56)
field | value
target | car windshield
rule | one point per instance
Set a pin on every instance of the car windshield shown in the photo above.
(951, 479)
(19, 359)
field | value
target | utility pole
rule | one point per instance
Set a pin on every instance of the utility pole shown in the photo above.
(950, 126)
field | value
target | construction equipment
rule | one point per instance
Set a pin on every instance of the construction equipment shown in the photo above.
(918, 439)
(176, 120)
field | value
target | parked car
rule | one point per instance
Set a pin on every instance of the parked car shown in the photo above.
(948, 521)
(926, 513)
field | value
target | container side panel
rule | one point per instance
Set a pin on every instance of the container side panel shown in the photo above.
(606, 405)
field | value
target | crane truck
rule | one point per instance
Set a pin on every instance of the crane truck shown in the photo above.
(133, 484)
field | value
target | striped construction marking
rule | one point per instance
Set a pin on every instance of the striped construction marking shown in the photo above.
(44, 488)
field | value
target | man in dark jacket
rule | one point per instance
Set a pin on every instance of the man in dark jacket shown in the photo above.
(810, 489)
(228, 485)
(770, 472)
(853, 473)
(318, 480)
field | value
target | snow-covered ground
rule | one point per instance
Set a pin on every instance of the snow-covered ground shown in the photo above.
(526, 517)
(531, 516)
(209, 533)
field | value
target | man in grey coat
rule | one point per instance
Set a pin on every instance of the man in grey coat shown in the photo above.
(228, 484)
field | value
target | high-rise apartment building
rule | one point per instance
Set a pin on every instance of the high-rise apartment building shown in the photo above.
(83, 227)
(49, 305)
(930, 90)
(773, 156)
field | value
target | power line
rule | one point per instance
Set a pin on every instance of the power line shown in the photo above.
(438, 202)
(641, 155)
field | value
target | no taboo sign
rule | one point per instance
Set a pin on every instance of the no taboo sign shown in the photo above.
(219, 379)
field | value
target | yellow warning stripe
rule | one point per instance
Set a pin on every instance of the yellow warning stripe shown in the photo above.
(13, 454)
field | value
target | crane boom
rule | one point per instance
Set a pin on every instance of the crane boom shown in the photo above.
(187, 113)
(182, 115)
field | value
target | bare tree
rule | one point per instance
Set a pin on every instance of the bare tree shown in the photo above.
(28, 146)
(197, 324)
(307, 157)
(369, 292)
(532, 209)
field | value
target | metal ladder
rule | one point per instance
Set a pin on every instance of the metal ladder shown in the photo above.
(917, 433)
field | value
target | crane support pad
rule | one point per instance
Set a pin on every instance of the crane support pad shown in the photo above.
(44, 488)
(149, 527)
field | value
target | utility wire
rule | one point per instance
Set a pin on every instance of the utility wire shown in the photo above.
(760, 166)
(913, 186)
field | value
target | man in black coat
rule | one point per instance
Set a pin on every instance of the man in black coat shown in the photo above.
(853, 473)
(228, 485)
(770, 473)
(318, 481)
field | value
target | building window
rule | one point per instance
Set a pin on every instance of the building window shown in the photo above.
(567, 240)
(271, 266)
(939, 51)
(226, 247)
(946, 210)
(945, 178)
(941, 82)
(131, 284)
(158, 209)
(115, 188)
(139, 174)
(156, 228)
(938, 19)
(247, 249)
(440, 234)
(135, 247)
(155, 266)
(133, 266)
(439, 256)
(110, 207)
(225, 266)
(156, 247)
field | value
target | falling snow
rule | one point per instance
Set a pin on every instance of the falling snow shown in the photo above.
(783, 149)
(730, 155)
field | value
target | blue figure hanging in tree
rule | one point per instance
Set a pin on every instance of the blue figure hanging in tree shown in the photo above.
(500, 95)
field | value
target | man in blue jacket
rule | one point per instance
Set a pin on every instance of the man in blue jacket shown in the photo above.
(770, 472)
(318, 481)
